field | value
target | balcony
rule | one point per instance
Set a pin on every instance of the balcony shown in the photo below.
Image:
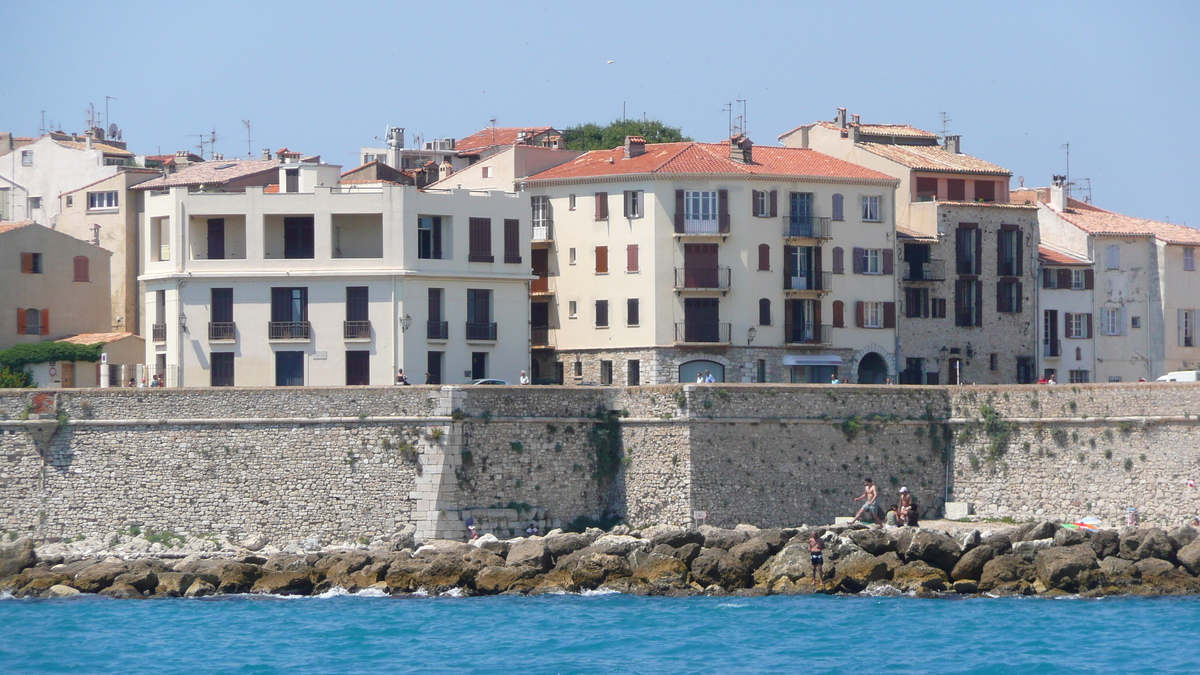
(541, 286)
(707, 333)
(1051, 348)
(437, 330)
(543, 234)
(289, 330)
(812, 227)
(356, 330)
(815, 283)
(702, 279)
(930, 270)
(160, 332)
(481, 331)
(808, 334)
(694, 226)
(222, 331)
(539, 338)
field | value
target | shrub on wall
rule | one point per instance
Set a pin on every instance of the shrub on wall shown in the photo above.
(16, 358)
(14, 379)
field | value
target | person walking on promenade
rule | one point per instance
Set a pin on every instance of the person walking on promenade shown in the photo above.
(816, 556)
(870, 494)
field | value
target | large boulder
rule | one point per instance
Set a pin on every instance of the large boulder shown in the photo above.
(564, 543)
(121, 591)
(99, 576)
(284, 583)
(1000, 540)
(792, 563)
(617, 544)
(1189, 557)
(586, 570)
(140, 577)
(1064, 567)
(173, 584)
(1131, 539)
(706, 567)
(936, 548)
(1066, 536)
(492, 580)
(686, 553)
(1115, 569)
(61, 591)
(873, 541)
(752, 553)
(775, 538)
(1029, 548)
(968, 539)
(1043, 530)
(1156, 544)
(673, 536)
(287, 562)
(661, 574)
(1182, 536)
(36, 580)
(532, 553)
(1153, 567)
(15, 557)
(235, 577)
(717, 537)
(199, 589)
(339, 568)
(917, 575)
(1005, 569)
(970, 565)
(856, 572)
(1106, 543)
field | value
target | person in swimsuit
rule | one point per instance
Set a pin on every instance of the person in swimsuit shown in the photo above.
(870, 494)
(905, 505)
(816, 555)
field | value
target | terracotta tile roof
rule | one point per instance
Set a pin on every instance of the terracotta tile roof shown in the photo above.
(491, 136)
(15, 225)
(213, 173)
(96, 145)
(691, 157)
(93, 338)
(128, 171)
(905, 233)
(894, 130)
(933, 158)
(1032, 208)
(1049, 256)
(1097, 221)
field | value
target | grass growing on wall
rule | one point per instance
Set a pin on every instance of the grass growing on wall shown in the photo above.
(605, 439)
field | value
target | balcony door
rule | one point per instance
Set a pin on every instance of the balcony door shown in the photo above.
(801, 212)
(803, 268)
(702, 319)
(289, 369)
(801, 318)
(700, 265)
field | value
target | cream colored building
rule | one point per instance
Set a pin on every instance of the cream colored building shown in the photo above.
(120, 361)
(33, 175)
(1067, 330)
(753, 264)
(311, 282)
(54, 285)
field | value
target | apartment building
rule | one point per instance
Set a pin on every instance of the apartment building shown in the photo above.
(968, 287)
(34, 173)
(1067, 328)
(302, 280)
(661, 263)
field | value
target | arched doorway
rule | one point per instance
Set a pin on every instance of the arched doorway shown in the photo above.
(688, 371)
(872, 369)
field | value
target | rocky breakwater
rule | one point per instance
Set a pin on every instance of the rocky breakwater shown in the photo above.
(1033, 559)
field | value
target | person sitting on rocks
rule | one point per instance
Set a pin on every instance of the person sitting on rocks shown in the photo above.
(891, 519)
(816, 556)
(912, 516)
(532, 530)
(870, 494)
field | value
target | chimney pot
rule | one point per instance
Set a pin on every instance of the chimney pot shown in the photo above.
(741, 149)
(635, 146)
(840, 120)
(266, 153)
(954, 144)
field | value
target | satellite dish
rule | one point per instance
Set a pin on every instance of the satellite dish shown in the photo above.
(112, 130)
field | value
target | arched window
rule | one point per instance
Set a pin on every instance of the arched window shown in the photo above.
(81, 268)
(764, 312)
(838, 207)
(764, 257)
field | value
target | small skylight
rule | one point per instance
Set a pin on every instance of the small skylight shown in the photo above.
(225, 166)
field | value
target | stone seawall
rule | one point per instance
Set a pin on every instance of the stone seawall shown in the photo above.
(340, 464)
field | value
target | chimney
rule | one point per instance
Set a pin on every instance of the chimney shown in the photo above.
(855, 120)
(840, 120)
(741, 149)
(395, 141)
(266, 153)
(87, 139)
(954, 144)
(1058, 193)
(182, 159)
(217, 156)
(635, 146)
(522, 137)
(445, 169)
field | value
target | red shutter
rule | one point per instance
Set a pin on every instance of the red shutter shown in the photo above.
(20, 321)
(679, 211)
(601, 260)
(859, 313)
(46, 322)
(1089, 279)
(631, 257)
(774, 203)
(723, 209)
(764, 257)
(839, 310)
(887, 261)
(889, 315)
(26, 263)
(838, 266)
(978, 304)
(857, 259)
(1088, 323)
(601, 206)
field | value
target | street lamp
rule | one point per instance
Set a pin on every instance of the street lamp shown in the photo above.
(405, 322)
(750, 335)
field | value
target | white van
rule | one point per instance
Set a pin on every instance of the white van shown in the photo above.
(1181, 376)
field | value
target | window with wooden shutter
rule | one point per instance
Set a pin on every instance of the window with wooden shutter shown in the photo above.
(631, 258)
(858, 259)
(31, 263)
(480, 230)
(601, 206)
(838, 265)
(860, 310)
(757, 203)
(81, 268)
(601, 260)
(1089, 279)
(889, 315)
(764, 258)
(839, 207)
(680, 211)
(774, 203)
(764, 312)
(887, 261)
(1087, 321)
(46, 322)
(512, 240)
(20, 321)
(839, 311)
(723, 210)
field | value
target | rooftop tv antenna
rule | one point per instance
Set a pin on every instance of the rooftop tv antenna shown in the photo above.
(945, 123)
(42, 130)
(742, 120)
(1067, 181)
(106, 100)
(728, 108)
(249, 144)
(212, 141)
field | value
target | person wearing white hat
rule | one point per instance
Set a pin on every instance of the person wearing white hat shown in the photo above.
(905, 505)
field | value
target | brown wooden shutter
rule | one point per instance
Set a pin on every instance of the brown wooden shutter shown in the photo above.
(601, 260)
(857, 259)
(754, 202)
(838, 265)
(20, 321)
(1088, 324)
(1019, 267)
(889, 315)
(887, 261)
(1046, 276)
(859, 313)
(1019, 298)
(601, 206)
(1064, 278)
(46, 321)
(1000, 251)
(787, 320)
(764, 257)
(774, 203)
(978, 304)
(512, 240)
(978, 252)
(1089, 279)
(81, 268)
(723, 209)
(958, 302)
(26, 263)
(839, 311)
(679, 211)
(817, 269)
(817, 321)
(631, 257)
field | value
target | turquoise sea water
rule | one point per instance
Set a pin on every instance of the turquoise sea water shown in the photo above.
(599, 634)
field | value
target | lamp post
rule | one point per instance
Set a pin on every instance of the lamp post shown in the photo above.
(750, 335)
(405, 322)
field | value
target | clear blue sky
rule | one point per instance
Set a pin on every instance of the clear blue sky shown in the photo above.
(1117, 80)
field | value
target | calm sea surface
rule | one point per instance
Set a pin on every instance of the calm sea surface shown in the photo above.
(599, 634)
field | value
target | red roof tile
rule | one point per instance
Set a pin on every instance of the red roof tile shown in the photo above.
(1049, 256)
(491, 136)
(895, 130)
(1097, 221)
(933, 158)
(96, 145)
(711, 158)
(94, 338)
(16, 225)
(212, 173)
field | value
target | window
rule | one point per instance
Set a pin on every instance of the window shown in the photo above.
(487, 172)
(1189, 259)
(1079, 353)
(761, 203)
(33, 322)
(631, 258)
(4, 202)
(478, 365)
(572, 309)
(937, 308)
(701, 212)
(358, 367)
(436, 327)
(512, 241)
(291, 180)
(632, 312)
(1008, 296)
(1008, 251)
(1187, 328)
(571, 256)
(916, 303)
(220, 315)
(542, 219)
(221, 374)
(1112, 257)
(760, 371)
(764, 312)
(764, 258)
(31, 263)
(358, 318)
(872, 315)
(26, 158)
(993, 361)
(480, 230)
(870, 209)
(81, 268)
(577, 369)
(839, 207)
(571, 202)
(1135, 322)
(480, 325)
(289, 369)
(601, 260)
(1079, 326)
(1078, 280)
(871, 261)
(601, 206)
(429, 237)
(298, 237)
(1080, 377)
(601, 314)
(605, 372)
(967, 248)
(1110, 321)
(289, 314)
(633, 372)
(102, 200)
(968, 303)
(35, 203)
(633, 203)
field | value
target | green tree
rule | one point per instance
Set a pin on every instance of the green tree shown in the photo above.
(14, 379)
(592, 136)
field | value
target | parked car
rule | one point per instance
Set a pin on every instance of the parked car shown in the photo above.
(1181, 376)
(489, 381)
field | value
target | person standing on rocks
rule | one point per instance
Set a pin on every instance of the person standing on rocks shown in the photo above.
(816, 556)
(904, 506)
(870, 494)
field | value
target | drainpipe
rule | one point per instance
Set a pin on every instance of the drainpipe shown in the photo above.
(396, 337)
